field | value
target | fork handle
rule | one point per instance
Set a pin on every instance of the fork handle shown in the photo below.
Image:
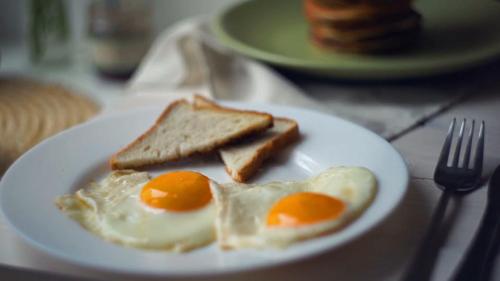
(474, 264)
(421, 266)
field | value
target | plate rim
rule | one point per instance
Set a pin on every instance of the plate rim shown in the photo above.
(418, 69)
(67, 258)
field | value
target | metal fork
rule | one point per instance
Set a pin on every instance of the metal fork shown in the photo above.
(454, 179)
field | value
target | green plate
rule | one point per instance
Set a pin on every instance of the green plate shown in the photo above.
(456, 34)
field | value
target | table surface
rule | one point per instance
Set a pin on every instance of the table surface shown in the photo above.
(381, 254)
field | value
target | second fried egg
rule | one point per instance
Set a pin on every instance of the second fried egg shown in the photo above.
(276, 214)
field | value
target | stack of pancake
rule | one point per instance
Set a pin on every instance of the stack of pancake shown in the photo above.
(362, 26)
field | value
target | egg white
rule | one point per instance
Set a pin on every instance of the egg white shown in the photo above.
(242, 209)
(112, 209)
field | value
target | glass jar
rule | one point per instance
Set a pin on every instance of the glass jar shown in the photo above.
(49, 32)
(119, 34)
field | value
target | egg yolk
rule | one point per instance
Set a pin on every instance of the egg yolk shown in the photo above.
(303, 208)
(177, 191)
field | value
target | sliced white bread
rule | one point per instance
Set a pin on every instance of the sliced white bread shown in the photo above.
(243, 159)
(184, 129)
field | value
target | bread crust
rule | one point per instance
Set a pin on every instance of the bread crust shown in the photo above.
(202, 102)
(115, 164)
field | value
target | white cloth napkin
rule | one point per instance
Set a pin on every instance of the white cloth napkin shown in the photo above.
(186, 59)
(178, 65)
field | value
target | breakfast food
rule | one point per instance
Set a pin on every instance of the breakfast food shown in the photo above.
(184, 129)
(321, 11)
(339, 3)
(31, 111)
(402, 25)
(362, 26)
(244, 158)
(277, 214)
(173, 211)
(184, 210)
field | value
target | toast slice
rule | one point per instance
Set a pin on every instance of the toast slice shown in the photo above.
(243, 159)
(184, 129)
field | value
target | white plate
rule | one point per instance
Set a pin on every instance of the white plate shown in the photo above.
(73, 158)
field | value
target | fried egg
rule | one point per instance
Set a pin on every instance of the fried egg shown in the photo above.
(173, 211)
(277, 214)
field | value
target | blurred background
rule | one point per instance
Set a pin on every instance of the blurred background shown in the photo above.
(14, 16)
(18, 18)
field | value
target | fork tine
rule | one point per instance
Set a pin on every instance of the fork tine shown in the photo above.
(458, 147)
(478, 159)
(445, 151)
(465, 163)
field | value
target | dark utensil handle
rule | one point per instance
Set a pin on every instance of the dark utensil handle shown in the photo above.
(473, 265)
(491, 256)
(421, 266)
